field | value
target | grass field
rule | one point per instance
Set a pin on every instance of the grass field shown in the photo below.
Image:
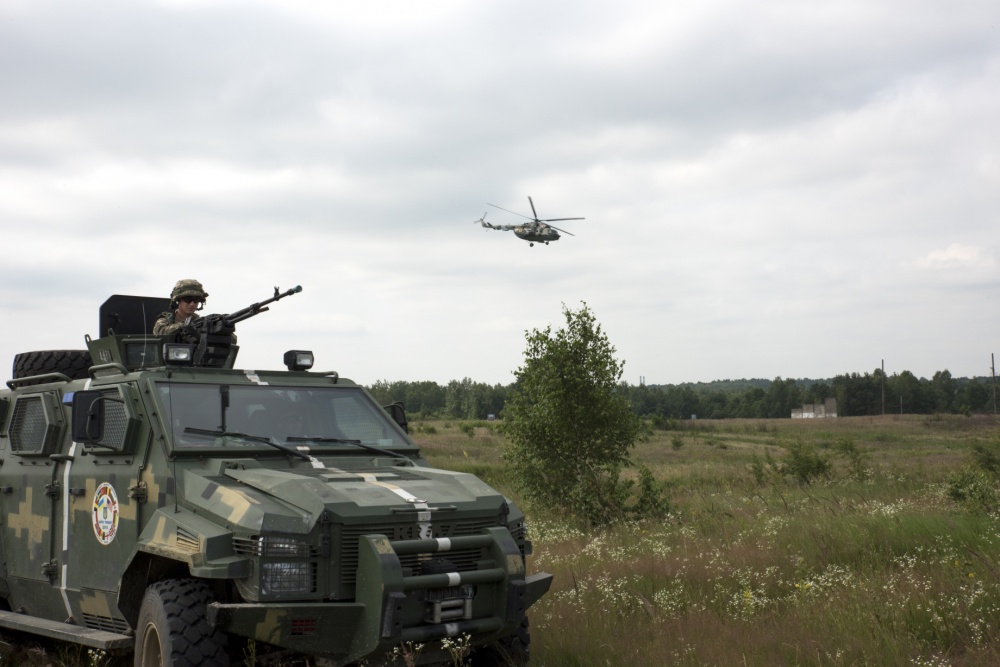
(870, 564)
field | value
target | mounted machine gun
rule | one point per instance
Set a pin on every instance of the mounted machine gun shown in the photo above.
(214, 336)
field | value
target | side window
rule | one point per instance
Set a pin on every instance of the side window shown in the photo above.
(36, 424)
(107, 420)
(115, 421)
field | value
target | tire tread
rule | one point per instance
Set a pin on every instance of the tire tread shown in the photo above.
(193, 642)
(74, 364)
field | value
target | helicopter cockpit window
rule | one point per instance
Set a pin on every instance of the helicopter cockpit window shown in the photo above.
(205, 415)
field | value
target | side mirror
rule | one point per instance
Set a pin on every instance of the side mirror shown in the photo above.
(398, 415)
(88, 416)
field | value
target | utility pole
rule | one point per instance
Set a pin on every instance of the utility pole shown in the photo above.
(993, 373)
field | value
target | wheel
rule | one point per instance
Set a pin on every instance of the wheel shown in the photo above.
(72, 363)
(510, 651)
(172, 630)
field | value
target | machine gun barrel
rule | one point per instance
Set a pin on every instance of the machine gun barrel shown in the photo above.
(257, 308)
(213, 335)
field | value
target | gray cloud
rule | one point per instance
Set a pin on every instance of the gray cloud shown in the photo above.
(768, 189)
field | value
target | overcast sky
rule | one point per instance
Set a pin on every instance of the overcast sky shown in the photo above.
(771, 188)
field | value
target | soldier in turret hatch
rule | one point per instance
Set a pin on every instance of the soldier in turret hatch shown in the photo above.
(187, 297)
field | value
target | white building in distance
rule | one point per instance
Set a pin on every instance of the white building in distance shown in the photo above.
(827, 408)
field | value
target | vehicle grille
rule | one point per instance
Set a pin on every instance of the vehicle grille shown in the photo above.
(105, 623)
(187, 540)
(270, 546)
(464, 559)
(30, 430)
(115, 420)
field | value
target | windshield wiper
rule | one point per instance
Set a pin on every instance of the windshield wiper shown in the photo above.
(219, 433)
(358, 443)
(306, 438)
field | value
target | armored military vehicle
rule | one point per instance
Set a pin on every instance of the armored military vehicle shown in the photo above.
(155, 499)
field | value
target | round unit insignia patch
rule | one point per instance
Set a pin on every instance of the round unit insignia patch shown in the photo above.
(105, 513)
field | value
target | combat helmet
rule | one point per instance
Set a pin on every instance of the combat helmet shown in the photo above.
(187, 287)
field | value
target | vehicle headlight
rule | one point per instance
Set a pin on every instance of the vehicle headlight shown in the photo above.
(178, 354)
(298, 360)
(287, 578)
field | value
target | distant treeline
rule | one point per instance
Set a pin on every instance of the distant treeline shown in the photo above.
(856, 394)
(463, 399)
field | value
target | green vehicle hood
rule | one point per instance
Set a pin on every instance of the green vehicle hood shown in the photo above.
(263, 499)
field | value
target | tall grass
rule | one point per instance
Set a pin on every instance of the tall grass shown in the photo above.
(869, 564)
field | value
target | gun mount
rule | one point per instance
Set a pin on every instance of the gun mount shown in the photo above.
(210, 341)
(214, 336)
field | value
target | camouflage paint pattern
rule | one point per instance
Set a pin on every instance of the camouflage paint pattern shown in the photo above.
(327, 548)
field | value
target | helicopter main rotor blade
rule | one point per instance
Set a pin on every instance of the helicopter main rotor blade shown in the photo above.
(508, 210)
(563, 230)
(533, 211)
(559, 219)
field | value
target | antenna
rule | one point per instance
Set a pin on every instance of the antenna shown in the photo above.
(145, 327)
(993, 372)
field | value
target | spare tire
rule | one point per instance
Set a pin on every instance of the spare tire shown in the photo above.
(71, 363)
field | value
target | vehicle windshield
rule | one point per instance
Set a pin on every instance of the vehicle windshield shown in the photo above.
(210, 415)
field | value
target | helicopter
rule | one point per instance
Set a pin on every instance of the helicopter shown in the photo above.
(536, 231)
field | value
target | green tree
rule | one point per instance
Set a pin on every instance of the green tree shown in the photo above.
(974, 396)
(420, 398)
(858, 395)
(459, 401)
(752, 403)
(907, 394)
(569, 425)
(944, 389)
(782, 397)
(818, 392)
(473, 400)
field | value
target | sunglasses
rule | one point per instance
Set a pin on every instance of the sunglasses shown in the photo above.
(190, 299)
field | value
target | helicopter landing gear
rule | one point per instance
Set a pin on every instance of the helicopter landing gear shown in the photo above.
(531, 245)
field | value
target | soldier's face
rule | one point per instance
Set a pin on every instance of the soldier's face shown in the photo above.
(186, 305)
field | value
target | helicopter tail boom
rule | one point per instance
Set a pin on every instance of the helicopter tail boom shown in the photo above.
(487, 225)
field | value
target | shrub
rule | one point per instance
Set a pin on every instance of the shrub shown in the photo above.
(569, 427)
(758, 470)
(652, 501)
(661, 423)
(987, 459)
(857, 462)
(973, 489)
(804, 464)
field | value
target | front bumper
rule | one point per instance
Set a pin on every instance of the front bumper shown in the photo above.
(395, 606)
